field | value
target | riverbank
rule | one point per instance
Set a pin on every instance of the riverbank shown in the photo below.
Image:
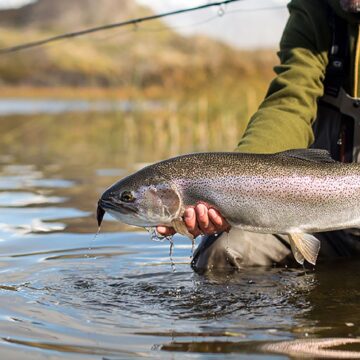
(71, 92)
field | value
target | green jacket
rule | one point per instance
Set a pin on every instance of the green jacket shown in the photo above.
(283, 120)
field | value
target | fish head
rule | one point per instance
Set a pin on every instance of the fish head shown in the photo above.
(142, 199)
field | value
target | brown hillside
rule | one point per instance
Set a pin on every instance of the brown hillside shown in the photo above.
(151, 55)
(70, 14)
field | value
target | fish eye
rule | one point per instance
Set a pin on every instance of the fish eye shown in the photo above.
(127, 196)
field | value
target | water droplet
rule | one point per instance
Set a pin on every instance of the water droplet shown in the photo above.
(91, 245)
(227, 247)
(155, 236)
(192, 248)
(171, 250)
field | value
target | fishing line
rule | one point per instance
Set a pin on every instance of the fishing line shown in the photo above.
(157, 29)
(115, 34)
(191, 25)
(135, 22)
(267, 8)
(208, 20)
(185, 26)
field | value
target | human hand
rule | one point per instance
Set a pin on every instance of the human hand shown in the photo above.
(199, 220)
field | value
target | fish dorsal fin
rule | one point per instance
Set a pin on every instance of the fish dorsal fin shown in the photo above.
(314, 155)
(304, 246)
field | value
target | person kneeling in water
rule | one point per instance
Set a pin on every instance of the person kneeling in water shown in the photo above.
(314, 100)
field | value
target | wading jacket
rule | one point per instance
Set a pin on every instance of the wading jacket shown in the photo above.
(284, 119)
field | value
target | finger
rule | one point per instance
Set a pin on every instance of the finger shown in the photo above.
(190, 222)
(215, 218)
(190, 218)
(219, 222)
(210, 229)
(202, 217)
(165, 231)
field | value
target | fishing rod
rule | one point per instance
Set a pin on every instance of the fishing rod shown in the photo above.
(135, 22)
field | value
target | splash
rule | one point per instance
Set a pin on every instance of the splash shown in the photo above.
(192, 248)
(92, 241)
(155, 236)
(171, 250)
(96, 235)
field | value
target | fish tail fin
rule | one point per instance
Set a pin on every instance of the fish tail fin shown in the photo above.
(304, 247)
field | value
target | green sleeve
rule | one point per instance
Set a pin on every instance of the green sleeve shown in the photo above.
(283, 120)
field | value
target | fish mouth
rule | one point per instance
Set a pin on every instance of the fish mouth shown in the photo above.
(100, 212)
(104, 205)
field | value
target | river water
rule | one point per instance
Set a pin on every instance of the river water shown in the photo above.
(65, 294)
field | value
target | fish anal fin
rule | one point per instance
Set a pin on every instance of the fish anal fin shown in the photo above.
(297, 254)
(181, 228)
(306, 245)
(313, 155)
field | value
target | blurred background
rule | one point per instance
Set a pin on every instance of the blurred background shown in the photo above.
(185, 83)
(93, 108)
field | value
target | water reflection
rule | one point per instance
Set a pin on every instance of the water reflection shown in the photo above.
(22, 199)
(56, 106)
(336, 300)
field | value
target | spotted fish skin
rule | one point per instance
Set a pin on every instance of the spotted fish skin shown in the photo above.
(293, 192)
(269, 193)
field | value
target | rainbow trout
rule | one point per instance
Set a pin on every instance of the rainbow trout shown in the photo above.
(296, 192)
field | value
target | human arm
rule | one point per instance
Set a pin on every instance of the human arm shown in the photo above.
(284, 119)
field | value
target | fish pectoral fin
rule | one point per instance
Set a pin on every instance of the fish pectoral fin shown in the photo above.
(304, 247)
(181, 228)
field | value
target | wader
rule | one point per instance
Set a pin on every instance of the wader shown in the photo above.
(336, 129)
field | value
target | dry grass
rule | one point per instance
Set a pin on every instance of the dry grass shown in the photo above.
(132, 60)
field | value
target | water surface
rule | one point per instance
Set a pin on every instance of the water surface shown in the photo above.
(66, 295)
(18, 106)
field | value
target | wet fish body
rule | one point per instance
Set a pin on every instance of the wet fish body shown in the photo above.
(296, 192)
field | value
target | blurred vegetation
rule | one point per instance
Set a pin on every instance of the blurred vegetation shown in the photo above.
(118, 139)
(96, 149)
(208, 89)
(204, 92)
(150, 58)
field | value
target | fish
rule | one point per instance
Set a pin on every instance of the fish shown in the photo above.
(297, 193)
